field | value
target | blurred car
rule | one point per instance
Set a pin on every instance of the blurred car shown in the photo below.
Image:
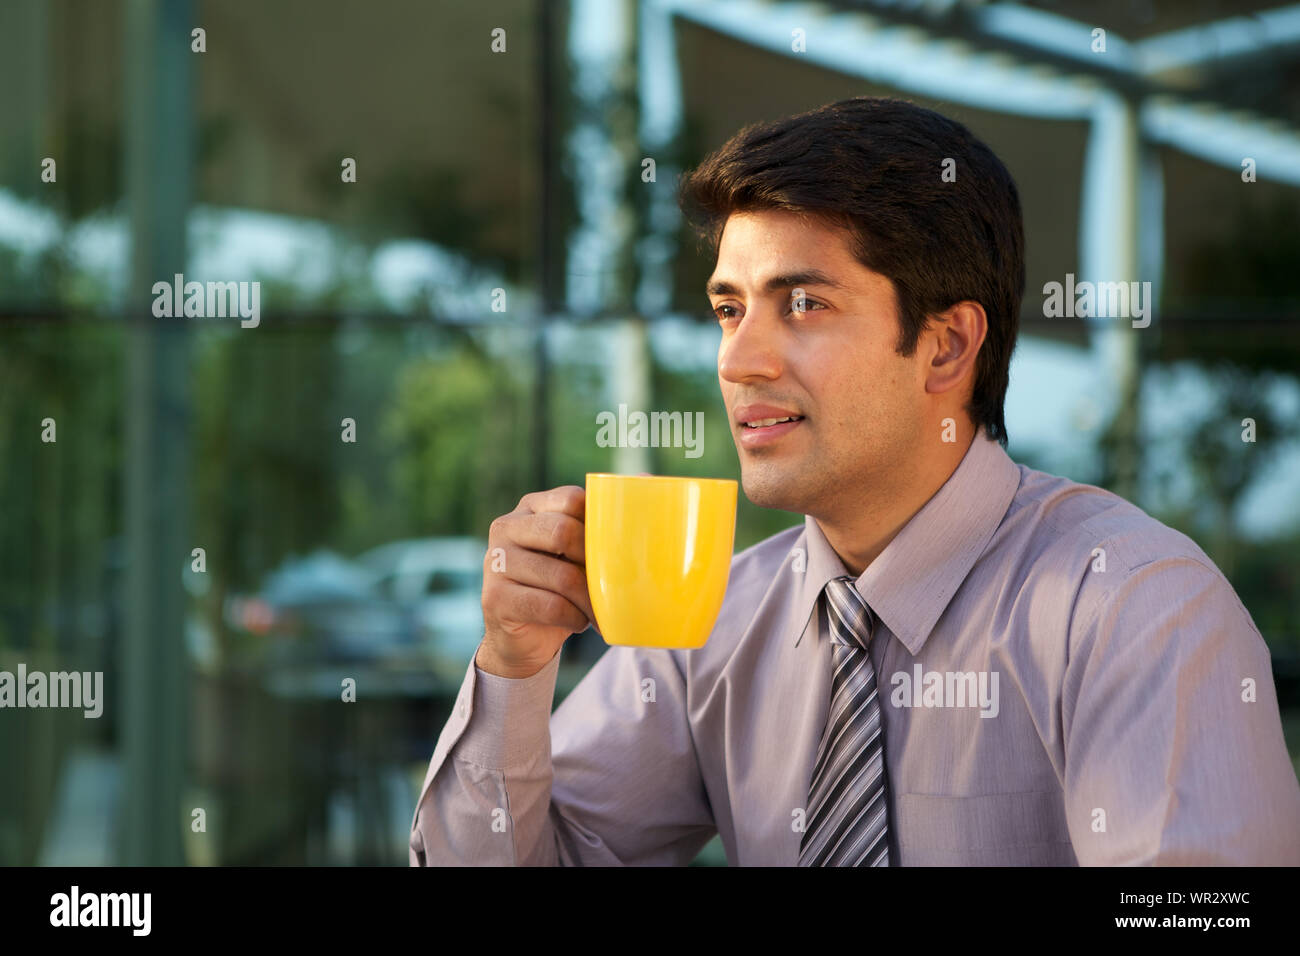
(324, 608)
(440, 581)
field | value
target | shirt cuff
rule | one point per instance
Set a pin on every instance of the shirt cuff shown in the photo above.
(510, 720)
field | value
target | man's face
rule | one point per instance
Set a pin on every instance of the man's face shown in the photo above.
(859, 405)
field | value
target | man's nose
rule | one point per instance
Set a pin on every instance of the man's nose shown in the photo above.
(753, 350)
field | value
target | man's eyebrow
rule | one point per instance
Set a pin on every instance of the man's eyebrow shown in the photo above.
(792, 280)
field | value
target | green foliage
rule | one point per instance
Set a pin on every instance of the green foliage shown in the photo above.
(576, 397)
(266, 443)
(450, 434)
(61, 499)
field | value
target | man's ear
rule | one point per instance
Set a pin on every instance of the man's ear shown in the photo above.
(954, 343)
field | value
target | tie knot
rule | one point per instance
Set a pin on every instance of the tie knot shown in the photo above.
(852, 622)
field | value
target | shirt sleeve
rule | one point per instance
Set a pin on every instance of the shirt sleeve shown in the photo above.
(1173, 739)
(610, 778)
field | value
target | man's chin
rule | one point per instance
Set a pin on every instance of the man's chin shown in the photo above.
(771, 488)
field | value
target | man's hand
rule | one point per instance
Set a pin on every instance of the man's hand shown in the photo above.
(532, 606)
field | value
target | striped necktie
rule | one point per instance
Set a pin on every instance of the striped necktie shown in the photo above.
(847, 817)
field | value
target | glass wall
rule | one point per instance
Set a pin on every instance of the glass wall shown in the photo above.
(231, 499)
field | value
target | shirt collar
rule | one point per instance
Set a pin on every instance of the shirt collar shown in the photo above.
(912, 581)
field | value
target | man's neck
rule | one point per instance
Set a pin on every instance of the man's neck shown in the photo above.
(862, 533)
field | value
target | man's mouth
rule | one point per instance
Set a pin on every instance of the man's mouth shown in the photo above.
(758, 415)
(768, 422)
(764, 425)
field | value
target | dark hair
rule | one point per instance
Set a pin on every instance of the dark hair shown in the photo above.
(873, 166)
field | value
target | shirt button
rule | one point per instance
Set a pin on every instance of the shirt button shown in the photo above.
(462, 706)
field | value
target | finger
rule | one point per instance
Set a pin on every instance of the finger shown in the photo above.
(549, 532)
(565, 578)
(566, 499)
(524, 605)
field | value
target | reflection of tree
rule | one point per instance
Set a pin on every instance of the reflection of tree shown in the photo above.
(1222, 463)
(1267, 580)
(265, 439)
(61, 498)
(1238, 305)
(61, 510)
(452, 433)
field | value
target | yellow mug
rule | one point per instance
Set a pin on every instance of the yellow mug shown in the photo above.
(658, 556)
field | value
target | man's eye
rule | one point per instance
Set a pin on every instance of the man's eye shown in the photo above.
(720, 314)
(808, 305)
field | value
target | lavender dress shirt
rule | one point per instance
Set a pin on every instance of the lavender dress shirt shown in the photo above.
(1064, 680)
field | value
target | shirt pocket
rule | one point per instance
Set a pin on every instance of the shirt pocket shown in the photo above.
(1024, 828)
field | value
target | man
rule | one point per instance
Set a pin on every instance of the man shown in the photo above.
(955, 660)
